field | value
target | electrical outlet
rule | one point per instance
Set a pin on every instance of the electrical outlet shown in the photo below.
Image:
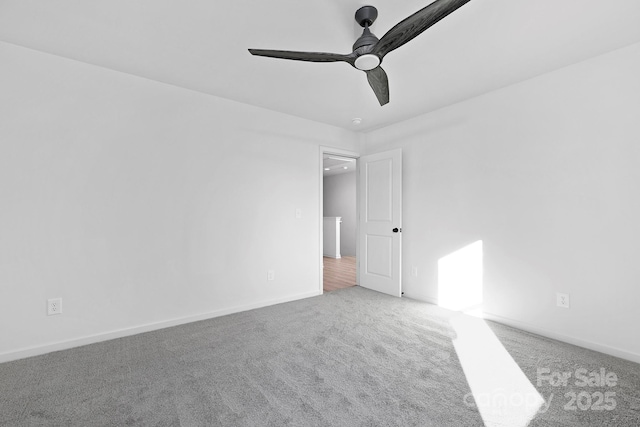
(271, 275)
(562, 300)
(54, 306)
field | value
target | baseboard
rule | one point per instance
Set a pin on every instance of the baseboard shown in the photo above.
(334, 256)
(613, 351)
(433, 301)
(429, 300)
(148, 327)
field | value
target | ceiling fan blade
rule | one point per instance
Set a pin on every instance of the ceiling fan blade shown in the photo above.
(415, 24)
(303, 56)
(379, 83)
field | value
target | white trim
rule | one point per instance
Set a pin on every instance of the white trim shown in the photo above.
(147, 327)
(429, 300)
(613, 351)
(338, 152)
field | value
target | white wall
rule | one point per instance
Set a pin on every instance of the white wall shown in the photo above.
(546, 173)
(340, 200)
(143, 204)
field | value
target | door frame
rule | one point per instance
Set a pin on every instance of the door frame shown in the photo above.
(343, 153)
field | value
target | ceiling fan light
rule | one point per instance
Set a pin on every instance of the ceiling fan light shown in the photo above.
(367, 62)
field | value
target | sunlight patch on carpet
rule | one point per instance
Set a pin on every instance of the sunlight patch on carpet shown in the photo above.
(499, 389)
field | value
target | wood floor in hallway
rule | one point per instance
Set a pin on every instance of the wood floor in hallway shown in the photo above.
(339, 273)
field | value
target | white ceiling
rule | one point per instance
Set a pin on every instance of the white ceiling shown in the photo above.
(337, 165)
(202, 45)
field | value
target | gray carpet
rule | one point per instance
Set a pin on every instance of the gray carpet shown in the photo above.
(347, 358)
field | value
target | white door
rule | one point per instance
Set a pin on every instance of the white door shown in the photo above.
(380, 222)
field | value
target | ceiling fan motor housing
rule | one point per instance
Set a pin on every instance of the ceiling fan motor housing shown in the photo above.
(365, 16)
(366, 39)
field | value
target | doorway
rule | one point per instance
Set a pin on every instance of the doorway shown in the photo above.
(339, 220)
(379, 219)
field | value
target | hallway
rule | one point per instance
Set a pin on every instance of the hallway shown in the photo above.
(339, 273)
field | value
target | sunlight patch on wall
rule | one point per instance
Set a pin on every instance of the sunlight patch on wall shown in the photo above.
(500, 391)
(460, 278)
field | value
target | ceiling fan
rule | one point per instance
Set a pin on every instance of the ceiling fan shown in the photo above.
(368, 50)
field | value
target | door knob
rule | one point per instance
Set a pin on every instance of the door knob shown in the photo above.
(395, 230)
